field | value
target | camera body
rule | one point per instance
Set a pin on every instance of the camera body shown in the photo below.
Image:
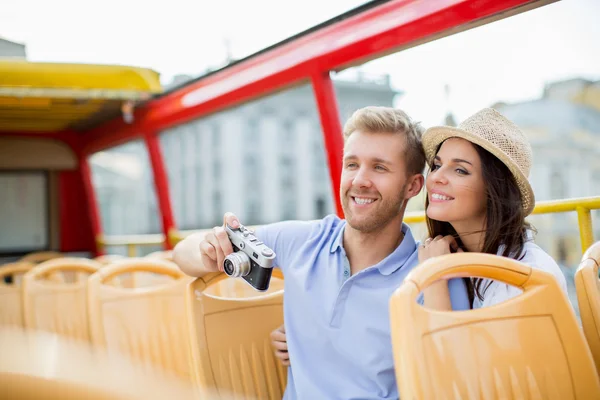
(251, 259)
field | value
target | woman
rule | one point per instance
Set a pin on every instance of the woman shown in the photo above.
(478, 198)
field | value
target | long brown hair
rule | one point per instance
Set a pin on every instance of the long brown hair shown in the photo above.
(505, 223)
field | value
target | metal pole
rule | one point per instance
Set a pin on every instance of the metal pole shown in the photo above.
(161, 184)
(332, 131)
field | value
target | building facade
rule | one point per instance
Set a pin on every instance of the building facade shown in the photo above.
(564, 131)
(10, 49)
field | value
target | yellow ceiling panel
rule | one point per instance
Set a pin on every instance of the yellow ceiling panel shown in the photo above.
(49, 97)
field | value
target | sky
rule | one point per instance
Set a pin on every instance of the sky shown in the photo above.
(509, 60)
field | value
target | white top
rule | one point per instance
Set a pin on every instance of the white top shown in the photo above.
(535, 257)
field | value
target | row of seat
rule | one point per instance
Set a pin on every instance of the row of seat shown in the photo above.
(528, 347)
(206, 331)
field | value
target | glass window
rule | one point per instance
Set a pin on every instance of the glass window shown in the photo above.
(557, 186)
(251, 135)
(252, 211)
(216, 135)
(125, 191)
(320, 210)
(289, 209)
(218, 207)
(258, 176)
(216, 170)
(24, 220)
(288, 134)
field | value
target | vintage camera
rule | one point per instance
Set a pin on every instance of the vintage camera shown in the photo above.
(251, 259)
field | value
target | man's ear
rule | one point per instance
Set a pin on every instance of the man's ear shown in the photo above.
(414, 185)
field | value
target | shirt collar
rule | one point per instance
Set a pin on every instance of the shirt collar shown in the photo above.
(338, 238)
(392, 262)
(400, 255)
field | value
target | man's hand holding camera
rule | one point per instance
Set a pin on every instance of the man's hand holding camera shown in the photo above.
(235, 250)
(216, 244)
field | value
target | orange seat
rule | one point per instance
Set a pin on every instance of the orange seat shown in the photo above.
(588, 298)
(11, 309)
(528, 347)
(108, 258)
(231, 352)
(41, 256)
(163, 255)
(40, 365)
(240, 289)
(129, 280)
(146, 323)
(58, 307)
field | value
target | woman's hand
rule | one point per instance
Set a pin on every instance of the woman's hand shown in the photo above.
(437, 295)
(438, 246)
(279, 343)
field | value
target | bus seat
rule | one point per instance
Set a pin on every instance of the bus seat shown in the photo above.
(142, 279)
(108, 258)
(58, 307)
(125, 280)
(40, 365)
(231, 352)
(146, 323)
(588, 298)
(163, 255)
(11, 309)
(131, 280)
(528, 347)
(41, 256)
(240, 289)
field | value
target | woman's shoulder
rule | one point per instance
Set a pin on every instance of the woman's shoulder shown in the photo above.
(536, 257)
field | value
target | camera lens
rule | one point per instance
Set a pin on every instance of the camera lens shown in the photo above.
(236, 264)
(228, 267)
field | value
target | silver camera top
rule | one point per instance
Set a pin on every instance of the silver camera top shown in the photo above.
(244, 239)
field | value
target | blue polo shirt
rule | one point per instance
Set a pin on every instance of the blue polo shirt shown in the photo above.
(337, 325)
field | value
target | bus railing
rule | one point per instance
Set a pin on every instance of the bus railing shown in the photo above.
(582, 206)
(131, 242)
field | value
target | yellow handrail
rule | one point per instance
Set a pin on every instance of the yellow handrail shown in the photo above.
(582, 206)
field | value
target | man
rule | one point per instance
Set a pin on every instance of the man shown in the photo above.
(340, 274)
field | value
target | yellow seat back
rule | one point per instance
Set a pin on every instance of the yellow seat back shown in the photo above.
(588, 298)
(239, 289)
(163, 255)
(108, 258)
(39, 365)
(54, 306)
(41, 256)
(231, 352)
(11, 301)
(528, 347)
(146, 323)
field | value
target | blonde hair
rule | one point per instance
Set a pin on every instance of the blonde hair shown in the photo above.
(391, 120)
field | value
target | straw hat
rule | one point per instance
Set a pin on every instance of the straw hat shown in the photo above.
(495, 133)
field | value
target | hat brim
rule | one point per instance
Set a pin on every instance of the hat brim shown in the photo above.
(434, 136)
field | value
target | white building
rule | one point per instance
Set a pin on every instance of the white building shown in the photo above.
(565, 137)
(10, 49)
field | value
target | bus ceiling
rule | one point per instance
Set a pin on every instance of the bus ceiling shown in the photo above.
(53, 98)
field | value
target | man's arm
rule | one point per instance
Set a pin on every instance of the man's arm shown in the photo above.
(187, 256)
(201, 253)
